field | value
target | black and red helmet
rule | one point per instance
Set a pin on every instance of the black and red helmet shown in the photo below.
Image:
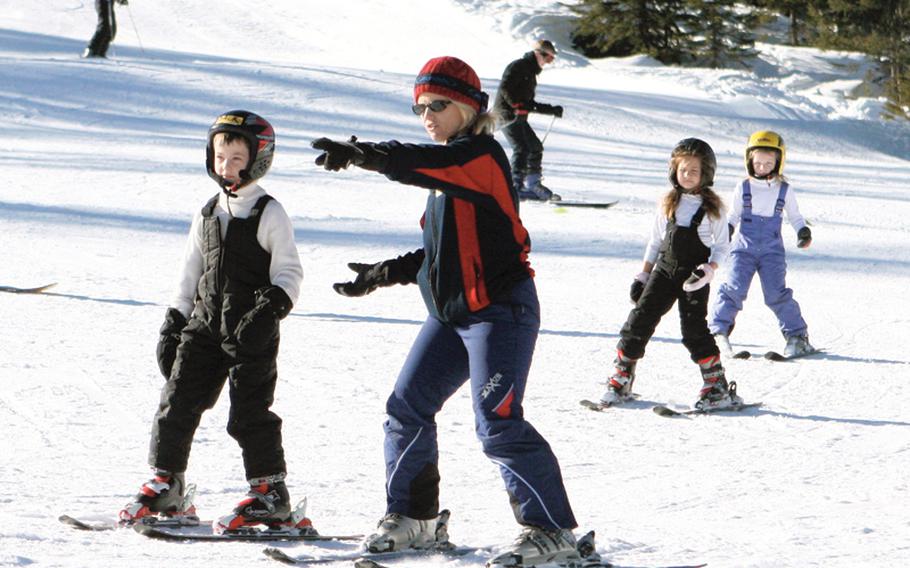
(256, 130)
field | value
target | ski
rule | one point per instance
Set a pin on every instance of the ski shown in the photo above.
(364, 555)
(599, 406)
(588, 204)
(246, 534)
(113, 524)
(35, 290)
(666, 411)
(775, 356)
(723, 342)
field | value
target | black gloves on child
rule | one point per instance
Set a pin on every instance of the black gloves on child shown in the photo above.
(803, 238)
(174, 322)
(260, 324)
(638, 286)
(339, 155)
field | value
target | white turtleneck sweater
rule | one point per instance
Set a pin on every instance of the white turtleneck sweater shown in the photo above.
(764, 199)
(275, 235)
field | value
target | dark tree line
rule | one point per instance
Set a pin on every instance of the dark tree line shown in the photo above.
(720, 33)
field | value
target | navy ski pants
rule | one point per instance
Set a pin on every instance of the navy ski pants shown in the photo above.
(492, 350)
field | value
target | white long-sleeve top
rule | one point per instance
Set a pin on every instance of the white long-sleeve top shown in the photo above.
(713, 233)
(764, 199)
(275, 235)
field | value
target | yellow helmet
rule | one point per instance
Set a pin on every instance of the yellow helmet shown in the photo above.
(768, 140)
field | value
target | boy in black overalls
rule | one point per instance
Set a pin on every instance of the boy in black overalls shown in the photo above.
(241, 275)
(689, 239)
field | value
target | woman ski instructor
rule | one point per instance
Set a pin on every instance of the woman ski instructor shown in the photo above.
(483, 322)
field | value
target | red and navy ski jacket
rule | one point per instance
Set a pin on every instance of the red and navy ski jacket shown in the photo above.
(476, 248)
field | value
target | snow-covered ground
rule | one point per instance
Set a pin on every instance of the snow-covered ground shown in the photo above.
(102, 171)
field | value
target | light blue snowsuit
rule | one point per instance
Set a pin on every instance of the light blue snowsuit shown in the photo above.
(758, 247)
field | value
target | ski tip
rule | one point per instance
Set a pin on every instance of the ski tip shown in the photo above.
(595, 406)
(279, 555)
(587, 204)
(664, 411)
(742, 355)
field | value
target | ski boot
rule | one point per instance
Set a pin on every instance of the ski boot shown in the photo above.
(267, 503)
(619, 385)
(535, 546)
(715, 392)
(166, 496)
(798, 345)
(398, 532)
(535, 190)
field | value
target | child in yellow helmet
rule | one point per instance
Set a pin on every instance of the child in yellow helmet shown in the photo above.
(760, 203)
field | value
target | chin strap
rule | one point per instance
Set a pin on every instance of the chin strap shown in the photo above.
(228, 189)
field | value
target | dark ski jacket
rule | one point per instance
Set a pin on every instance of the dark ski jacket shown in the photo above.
(517, 88)
(475, 246)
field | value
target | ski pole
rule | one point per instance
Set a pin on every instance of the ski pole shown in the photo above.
(135, 29)
(544, 139)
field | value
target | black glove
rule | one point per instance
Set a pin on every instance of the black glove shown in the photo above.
(557, 111)
(803, 238)
(123, 2)
(731, 228)
(260, 324)
(401, 270)
(174, 322)
(339, 155)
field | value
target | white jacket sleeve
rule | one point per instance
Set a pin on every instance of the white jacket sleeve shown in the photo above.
(185, 294)
(658, 230)
(720, 245)
(791, 210)
(736, 209)
(276, 236)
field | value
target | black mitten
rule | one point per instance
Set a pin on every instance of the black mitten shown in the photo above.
(260, 324)
(339, 155)
(803, 238)
(557, 111)
(401, 270)
(168, 340)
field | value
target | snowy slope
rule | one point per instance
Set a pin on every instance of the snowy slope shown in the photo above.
(102, 163)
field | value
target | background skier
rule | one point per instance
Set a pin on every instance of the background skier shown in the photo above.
(514, 100)
(106, 29)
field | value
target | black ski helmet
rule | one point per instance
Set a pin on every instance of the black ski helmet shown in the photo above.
(699, 149)
(256, 130)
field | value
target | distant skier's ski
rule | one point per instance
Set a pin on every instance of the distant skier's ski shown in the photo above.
(248, 534)
(35, 290)
(363, 555)
(775, 356)
(661, 410)
(588, 204)
(112, 524)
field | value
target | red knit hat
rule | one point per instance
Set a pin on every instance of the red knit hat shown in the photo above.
(453, 78)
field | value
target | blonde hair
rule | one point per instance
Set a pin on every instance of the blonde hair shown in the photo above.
(711, 201)
(483, 123)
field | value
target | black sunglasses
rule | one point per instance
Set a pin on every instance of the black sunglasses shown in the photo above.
(435, 106)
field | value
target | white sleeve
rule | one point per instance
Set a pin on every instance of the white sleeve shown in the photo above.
(791, 209)
(658, 230)
(184, 297)
(276, 236)
(720, 245)
(736, 208)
